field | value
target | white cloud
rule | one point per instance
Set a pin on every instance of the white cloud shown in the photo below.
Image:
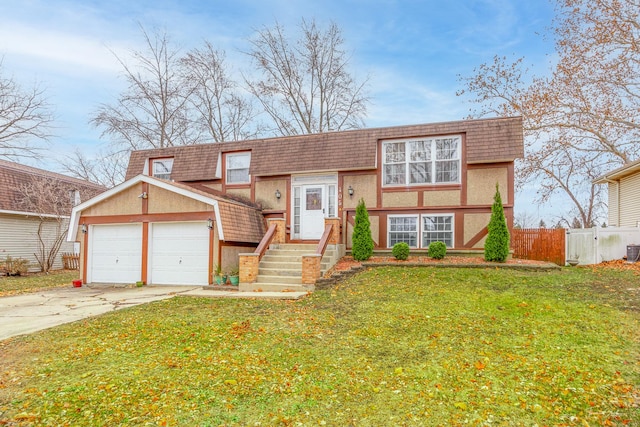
(57, 49)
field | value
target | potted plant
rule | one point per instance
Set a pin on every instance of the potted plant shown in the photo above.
(234, 277)
(221, 279)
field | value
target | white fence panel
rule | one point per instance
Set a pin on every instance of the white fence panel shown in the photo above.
(596, 245)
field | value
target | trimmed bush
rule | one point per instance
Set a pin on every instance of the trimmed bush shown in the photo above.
(437, 250)
(362, 248)
(401, 251)
(496, 247)
(14, 266)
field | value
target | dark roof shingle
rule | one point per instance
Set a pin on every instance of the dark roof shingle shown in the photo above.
(487, 140)
(13, 176)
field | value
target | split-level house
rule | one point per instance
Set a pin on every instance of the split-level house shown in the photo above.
(183, 211)
(35, 205)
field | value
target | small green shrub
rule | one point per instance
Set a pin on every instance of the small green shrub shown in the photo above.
(401, 251)
(437, 250)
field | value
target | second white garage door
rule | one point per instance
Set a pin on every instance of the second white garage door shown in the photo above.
(179, 253)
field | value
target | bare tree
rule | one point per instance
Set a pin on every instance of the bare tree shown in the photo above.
(106, 168)
(152, 112)
(26, 119)
(221, 112)
(306, 87)
(583, 119)
(52, 201)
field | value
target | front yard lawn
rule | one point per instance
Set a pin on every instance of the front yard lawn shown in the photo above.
(390, 346)
(11, 285)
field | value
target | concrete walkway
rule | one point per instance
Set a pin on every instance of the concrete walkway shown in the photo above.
(27, 313)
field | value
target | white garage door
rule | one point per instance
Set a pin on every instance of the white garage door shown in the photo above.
(179, 253)
(115, 253)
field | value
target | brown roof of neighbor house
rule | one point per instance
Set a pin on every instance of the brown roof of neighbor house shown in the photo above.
(14, 177)
(487, 141)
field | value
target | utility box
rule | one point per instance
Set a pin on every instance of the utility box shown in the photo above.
(633, 253)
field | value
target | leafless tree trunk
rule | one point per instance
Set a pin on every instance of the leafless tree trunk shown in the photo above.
(52, 201)
(306, 87)
(152, 112)
(221, 112)
(26, 119)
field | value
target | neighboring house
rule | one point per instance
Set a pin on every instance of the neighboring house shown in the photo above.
(420, 183)
(35, 204)
(624, 195)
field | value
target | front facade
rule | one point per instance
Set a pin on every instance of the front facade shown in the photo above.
(420, 183)
(624, 190)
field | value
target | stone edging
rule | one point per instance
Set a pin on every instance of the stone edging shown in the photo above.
(337, 276)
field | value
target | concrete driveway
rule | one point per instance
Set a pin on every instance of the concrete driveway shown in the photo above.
(27, 313)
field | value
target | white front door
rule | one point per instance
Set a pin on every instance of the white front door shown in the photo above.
(313, 211)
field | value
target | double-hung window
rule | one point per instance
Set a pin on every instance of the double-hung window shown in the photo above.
(421, 161)
(437, 228)
(403, 228)
(419, 231)
(161, 168)
(238, 168)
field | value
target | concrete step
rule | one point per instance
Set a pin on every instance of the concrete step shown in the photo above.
(295, 246)
(274, 287)
(264, 278)
(279, 270)
(280, 264)
(282, 258)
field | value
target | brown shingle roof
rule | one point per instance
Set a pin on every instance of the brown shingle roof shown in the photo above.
(487, 140)
(241, 221)
(13, 176)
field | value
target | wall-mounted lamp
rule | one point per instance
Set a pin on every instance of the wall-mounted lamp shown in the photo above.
(278, 195)
(84, 228)
(209, 223)
(350, 190)
(144, 195)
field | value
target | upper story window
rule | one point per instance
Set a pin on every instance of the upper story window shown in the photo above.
(238, 168)
(161, 168)
(421, 161)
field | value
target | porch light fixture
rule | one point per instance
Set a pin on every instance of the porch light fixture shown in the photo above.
(84, 228)
(144, 195)
(350, 190)
(278, 195)
(209, 223)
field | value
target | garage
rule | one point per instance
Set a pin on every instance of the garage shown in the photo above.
(114, 254)
(179, 253)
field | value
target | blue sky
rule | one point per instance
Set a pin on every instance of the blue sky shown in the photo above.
(413, 51)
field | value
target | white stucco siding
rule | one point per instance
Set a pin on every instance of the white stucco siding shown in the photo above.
(629, 204)
(19, 238)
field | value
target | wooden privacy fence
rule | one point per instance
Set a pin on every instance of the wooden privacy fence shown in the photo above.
(541, 244)
(71, 261)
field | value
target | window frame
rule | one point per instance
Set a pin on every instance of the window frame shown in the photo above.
(428, 162)
(417, 231)
(423, 231)
(420, 232)
(162, 160)
(227, 168)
